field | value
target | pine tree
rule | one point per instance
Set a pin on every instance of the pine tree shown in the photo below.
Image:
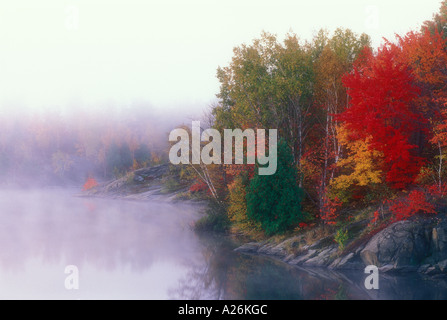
(275, 200)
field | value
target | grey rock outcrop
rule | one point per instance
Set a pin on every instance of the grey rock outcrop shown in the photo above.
(402, 244)
(149, 174)
(419, 245)
(405, 246)
(143, 180)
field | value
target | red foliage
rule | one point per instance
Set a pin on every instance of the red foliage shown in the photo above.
(329, 211)
(381, 107)
(375, 220)
(416, 202)
(89, 184)
(437, 190)
(199, 187)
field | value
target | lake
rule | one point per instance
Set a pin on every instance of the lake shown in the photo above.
(147, 250)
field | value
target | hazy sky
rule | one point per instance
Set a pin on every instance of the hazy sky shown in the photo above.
(59, 52)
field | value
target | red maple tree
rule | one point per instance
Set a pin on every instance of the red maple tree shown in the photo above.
(382, 93)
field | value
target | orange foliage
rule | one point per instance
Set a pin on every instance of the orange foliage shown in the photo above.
(329, 211)
(89, 184)
(440, 130)
(425, 53)
(198, 187)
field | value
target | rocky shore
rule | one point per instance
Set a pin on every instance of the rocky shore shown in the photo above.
(405, 246)
(140, 184)
(418, 245)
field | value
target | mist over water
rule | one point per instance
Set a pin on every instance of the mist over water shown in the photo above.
(147, 250)
(89, 92)
(122, 249)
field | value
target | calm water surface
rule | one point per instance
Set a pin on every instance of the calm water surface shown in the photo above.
(146, 250)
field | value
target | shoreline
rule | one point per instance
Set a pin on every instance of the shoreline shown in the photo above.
(416, 245)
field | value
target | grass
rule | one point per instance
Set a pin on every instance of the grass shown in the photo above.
(318, 233)
(251, 234)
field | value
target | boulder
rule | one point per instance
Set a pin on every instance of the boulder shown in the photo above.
(403, 244)
(408, 246)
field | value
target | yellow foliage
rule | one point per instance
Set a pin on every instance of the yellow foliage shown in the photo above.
(361, 161)
(237, 209)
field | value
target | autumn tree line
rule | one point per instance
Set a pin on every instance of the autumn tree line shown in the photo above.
(357, 127)
(56, 148)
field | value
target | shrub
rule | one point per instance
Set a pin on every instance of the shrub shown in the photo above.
(341, 236)
(415, 202)
(237, 205)
(329, 212)
(198, 186)
(90, 184)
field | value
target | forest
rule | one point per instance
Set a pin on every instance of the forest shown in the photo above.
(41, 148)
(206, 150)
(358, 128)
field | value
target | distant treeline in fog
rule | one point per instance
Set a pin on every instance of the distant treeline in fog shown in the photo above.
(56, 148)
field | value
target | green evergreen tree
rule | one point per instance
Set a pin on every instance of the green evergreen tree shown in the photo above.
(275, 200)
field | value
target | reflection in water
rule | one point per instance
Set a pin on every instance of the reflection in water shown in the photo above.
(225, 274)
(113, 243)
(146, 250)
(105, 233)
